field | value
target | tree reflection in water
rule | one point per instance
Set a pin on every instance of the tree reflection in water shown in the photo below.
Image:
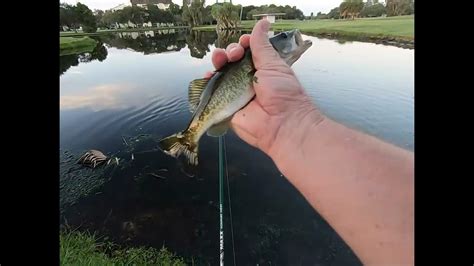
(152, 42)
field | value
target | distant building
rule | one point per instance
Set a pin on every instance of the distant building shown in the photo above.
(120, 7)
(161, 4)
(270, 16)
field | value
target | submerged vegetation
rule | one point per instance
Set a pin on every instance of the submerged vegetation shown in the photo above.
(82, 248)
(77, 181)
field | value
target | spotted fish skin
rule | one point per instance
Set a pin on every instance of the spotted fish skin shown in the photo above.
(230, 89)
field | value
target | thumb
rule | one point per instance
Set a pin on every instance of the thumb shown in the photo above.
(263, 54)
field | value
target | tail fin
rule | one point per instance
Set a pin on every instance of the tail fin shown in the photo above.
(178, 144)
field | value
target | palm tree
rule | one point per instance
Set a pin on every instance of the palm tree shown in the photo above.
(226, 14)
(351, 8)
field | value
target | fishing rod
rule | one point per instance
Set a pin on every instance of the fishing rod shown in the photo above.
(222, 166)
(221, 200)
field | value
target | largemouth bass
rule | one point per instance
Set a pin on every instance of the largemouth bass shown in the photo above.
(214, 101)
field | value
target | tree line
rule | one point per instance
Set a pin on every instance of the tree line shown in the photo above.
(75, 16)
(226, 15)
(350, 9)
(291, 12)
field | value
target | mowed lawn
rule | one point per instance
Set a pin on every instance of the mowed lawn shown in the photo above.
(401, 26)
(72, 42)
(68, 45)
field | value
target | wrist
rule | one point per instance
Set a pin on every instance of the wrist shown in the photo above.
(296, 131)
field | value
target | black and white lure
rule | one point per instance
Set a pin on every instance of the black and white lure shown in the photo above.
(92, 158)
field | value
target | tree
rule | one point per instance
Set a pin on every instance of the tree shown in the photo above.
(174, 9)
(375, 10)
(207, 16)
(193, 14)
(63, 17)
(98, 17)
(68, 16)
(138, 15)
(321, 16)
(156, 15)
(250, 14)
(334, 13)
(227, 15)
(399, 7)
(75, 16)
(351, 8)
(290, 12)
(246, 10)
(178, 19)
(344, 9)
(85, 17)
(411, 8)
(109, 18)
(298, 14)
(185, 14)
(272, 9)
(134, 14)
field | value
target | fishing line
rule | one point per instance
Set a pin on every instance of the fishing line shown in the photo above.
(230, 202)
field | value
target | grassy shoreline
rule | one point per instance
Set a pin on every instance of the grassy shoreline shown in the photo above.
(80, 248)
(395, 31)
(398, 31)
(71, 45)
(77, 34)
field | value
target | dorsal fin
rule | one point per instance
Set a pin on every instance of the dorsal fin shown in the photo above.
(196, 87)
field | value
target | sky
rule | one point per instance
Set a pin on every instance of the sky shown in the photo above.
(307, 6)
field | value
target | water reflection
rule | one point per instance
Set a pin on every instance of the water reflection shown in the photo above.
(198, 43)
(109, 96)
(146, 42)
(227, 37)
(66, 61)
(150, 42)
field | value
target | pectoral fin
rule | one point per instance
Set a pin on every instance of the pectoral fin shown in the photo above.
(219, 129)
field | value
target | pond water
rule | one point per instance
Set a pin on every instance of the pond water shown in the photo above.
(132, 90)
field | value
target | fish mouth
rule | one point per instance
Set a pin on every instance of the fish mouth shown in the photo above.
(299, 40)
(301, 47)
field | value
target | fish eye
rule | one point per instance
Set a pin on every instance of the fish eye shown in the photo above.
(284, 35)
